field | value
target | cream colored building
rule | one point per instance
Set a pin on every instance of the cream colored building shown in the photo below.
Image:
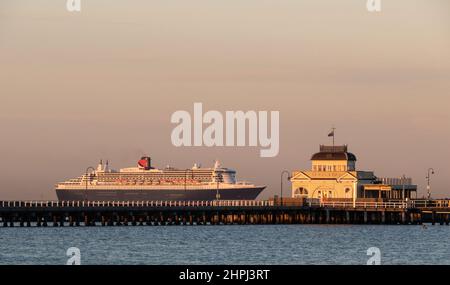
(333, 175)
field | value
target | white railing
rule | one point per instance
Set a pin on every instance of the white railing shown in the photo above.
(444, 203)
(225, 203)
(364, 205)
(134, 204)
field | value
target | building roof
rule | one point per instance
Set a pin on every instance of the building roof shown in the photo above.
(334, 153)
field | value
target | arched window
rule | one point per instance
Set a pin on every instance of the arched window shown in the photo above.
(348, 192)
(300, 192)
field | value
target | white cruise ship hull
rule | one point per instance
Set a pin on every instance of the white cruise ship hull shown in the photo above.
(204, 194)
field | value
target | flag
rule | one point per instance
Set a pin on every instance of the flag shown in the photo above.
(331, 134)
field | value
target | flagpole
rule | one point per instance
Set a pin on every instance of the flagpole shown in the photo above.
(333, 138)
(332, 135)
(334, 132)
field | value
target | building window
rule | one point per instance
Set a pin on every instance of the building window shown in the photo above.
(347, 192)
(300, 192)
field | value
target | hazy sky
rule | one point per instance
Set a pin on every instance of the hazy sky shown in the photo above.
(103, 83)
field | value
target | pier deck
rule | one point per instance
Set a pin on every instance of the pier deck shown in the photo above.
(104, 213)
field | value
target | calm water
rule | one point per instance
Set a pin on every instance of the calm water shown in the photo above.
(274, 244)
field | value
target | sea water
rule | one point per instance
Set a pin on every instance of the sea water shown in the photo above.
(258, 244)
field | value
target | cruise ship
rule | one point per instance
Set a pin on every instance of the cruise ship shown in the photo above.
(146, 183)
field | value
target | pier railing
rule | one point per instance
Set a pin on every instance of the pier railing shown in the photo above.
(72, 204)
(397, 204)
(365, 205)
(313, 203)
(443, 203)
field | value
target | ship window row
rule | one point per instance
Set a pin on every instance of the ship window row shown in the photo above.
(153, 176)
(153, 179)
(159, 175)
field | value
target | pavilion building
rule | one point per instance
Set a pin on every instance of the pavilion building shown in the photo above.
(334, 176)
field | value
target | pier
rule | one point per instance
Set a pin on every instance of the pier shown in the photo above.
(241, 212)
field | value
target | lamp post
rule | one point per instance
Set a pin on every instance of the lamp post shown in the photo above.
(403, 187)
(87, 173)
(430, 171)
(281, 188)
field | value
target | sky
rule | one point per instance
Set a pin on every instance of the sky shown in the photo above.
(103, 83)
